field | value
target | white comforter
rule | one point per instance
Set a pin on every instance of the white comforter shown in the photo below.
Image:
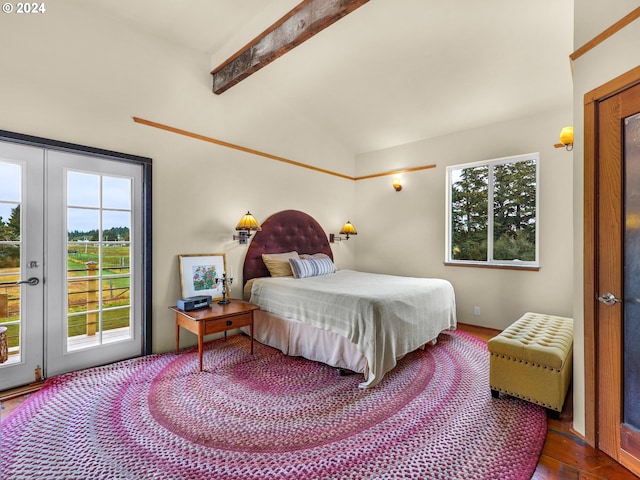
(386, 316)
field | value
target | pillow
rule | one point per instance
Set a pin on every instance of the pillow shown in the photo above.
(315, 255)
(311, 267)
(278, 263)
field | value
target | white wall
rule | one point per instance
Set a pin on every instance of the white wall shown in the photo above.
(79, 78)
(404, 232)
(606, 61)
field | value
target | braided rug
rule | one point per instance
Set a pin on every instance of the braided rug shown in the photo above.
(270, 416)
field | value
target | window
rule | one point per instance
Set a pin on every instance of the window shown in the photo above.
(492, 216)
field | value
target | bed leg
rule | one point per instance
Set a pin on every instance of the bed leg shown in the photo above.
(343, 372)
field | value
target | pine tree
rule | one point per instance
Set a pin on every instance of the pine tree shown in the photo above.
(13, 225)
(469, 200)
(514, 212)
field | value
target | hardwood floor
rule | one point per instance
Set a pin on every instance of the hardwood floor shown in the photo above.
(565, 456)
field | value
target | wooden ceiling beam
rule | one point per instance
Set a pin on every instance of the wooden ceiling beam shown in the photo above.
(297, 26)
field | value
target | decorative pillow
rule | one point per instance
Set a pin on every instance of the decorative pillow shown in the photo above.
(311, 267)
(315, 255)
(278, 263)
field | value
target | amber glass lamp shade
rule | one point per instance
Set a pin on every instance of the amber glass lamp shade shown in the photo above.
(248, 223)
(566, 137)
(348, 229)
(245, 226)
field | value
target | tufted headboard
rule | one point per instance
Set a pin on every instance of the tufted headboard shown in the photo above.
(284, 231)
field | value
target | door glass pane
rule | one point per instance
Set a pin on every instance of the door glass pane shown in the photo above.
(83, 189)
(116, 193)
(98, 260)
(10, 250)
(83, 224)
(631, 408)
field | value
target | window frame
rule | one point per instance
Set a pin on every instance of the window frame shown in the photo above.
(491, 262)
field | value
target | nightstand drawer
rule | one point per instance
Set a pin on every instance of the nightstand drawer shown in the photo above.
(227, 323)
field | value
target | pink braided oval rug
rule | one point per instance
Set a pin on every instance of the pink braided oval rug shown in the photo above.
(269, 416)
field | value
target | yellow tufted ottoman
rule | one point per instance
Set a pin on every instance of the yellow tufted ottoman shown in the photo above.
(532, 359)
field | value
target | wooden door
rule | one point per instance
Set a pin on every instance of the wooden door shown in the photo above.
(617, 276)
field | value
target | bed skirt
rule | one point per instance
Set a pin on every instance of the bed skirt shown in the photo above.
(299, 339)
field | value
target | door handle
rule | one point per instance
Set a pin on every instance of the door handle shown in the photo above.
(30, 281)
(609, 299)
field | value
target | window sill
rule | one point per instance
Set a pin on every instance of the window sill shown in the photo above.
(533, 268)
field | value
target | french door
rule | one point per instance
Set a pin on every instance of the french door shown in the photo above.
(71, 268)
(21, 258)
(617, 279)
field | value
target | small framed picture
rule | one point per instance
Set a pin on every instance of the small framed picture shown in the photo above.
(201, 274)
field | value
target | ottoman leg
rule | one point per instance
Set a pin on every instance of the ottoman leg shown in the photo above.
(495, 393)
(553, 414)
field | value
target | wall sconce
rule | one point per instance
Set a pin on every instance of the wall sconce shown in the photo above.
(245, 226)
(348, 229)
(566, 139)
(396, 184)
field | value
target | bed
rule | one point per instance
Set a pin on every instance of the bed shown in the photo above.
(356, 321)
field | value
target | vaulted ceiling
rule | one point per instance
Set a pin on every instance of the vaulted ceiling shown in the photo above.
(392, 71)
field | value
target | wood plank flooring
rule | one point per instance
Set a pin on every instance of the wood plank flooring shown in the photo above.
(565, 456)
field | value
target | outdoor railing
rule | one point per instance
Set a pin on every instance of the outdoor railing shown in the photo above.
(83, 303)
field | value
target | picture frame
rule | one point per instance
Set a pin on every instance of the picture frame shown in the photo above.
(198, 272)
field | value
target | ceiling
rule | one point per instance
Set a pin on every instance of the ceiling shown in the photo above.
(391, 72)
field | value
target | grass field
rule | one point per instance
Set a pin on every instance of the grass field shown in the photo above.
(109, 281)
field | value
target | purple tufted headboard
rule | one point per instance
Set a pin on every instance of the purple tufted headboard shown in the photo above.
(284, 231)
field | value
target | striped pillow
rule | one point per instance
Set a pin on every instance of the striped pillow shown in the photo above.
(311, 267)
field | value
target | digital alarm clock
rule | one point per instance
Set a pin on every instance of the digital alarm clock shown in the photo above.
(193, 303)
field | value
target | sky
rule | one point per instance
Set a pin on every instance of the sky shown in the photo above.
(10, 188)
(84, 198)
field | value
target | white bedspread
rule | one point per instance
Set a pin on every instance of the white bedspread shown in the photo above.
(386, 316)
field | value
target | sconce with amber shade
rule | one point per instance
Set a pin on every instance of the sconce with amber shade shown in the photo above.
(566, 139)
(246, 225)
(348, 229)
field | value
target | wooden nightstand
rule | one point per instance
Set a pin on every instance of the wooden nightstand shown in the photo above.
(213, 319)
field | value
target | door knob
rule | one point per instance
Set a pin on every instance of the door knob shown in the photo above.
(609, 299)
(30, 281)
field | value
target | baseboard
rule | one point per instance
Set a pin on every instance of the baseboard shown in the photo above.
(16, 392)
